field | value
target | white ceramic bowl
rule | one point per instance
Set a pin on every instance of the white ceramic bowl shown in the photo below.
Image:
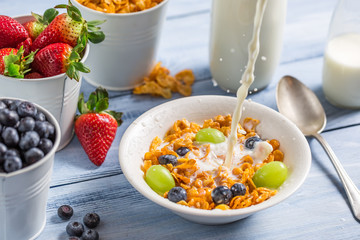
(58, 94)
(129, 50)
(24, 193)
(155, 122)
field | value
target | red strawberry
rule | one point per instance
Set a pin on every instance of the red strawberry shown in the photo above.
(5, 52)
(36, 26)
(58, 58)
(26, 45)
(13, 63)
(33, 75)
(69, 28)
(96, 127)
(11, 32)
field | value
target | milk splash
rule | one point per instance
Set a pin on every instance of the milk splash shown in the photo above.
(246, 80)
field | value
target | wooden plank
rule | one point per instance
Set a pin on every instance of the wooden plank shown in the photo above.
(319, 208)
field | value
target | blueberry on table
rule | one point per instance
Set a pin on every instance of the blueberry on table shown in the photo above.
(91, 220)
(29, 140)
(26, 109)
(182, 151)
(221, 195)
(8, 117)
(176, 194)
(90, 234)
(238, 189)
(168, 158)
(12, 163)
(10, 136)
(26, 124)
(45, 145)
(33, 155)
(65, 212)
(75, 229)
(250, 142)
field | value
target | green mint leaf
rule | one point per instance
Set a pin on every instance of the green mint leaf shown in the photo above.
(96, 37)
(49, 15)
(81, 67)
(102, 105)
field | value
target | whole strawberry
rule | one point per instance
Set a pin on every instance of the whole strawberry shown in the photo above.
(58, 58)
(11, 32)
(69, 28)
(96, 127)
(13, 63)
(36, 26)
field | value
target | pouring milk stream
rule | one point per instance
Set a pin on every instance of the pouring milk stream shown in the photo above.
(247, 79)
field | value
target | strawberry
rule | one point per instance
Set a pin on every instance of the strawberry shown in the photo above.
(36, 26)
(96, 127)
(58, 58)
(33, 75)
(11, 32)
(13, 63)
(26, 45)
(69, 28)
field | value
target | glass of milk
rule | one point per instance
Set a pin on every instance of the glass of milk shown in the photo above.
(231, 31)
(341, 71)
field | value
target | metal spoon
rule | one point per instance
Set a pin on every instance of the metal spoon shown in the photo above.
(299, 104)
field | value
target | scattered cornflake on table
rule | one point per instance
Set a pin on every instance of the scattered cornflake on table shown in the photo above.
(161, 83)
(119, 6)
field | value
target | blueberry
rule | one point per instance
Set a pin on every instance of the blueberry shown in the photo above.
(10, 136)
(91, 220)
(12, 152)
(26, 124)
(238, 189)
(14, 105)
(75, 229)
(90, 234)
(45, 145)
(3, 150)
(168, 158)
(33, 155)
(40, 116)
(176, 194)
(221, 195)
(250, 142)
(7, 102)
(8, 117)
(182, 151)
(65, 212)
(12, 164)
(27, 109)
(29, 140)
(44, 129)
(2, 105)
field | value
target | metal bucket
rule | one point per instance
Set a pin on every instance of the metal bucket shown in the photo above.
(129, 50)
(24, 194)
(58, 94)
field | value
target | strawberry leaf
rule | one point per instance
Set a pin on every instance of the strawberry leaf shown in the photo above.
(61, 6)
(13, 70)
(49, 15)
(81, 104)
(72, 73)
(102, 105)
(74, 56)
(95, 23)
(116, 115)
(96, 37)
(80, 67)
(38, 17)
(101, 93)
(74, 13)
(92, 101)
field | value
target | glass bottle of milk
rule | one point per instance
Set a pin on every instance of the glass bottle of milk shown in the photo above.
(231, 31)
(341, 70)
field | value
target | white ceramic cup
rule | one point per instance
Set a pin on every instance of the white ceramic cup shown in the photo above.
(58, 94)
(24, 194)
(129, 50)
(232, 24)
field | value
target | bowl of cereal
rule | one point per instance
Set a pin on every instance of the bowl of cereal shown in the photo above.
(176, 155)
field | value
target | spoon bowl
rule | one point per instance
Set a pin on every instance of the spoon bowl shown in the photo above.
(300, 105)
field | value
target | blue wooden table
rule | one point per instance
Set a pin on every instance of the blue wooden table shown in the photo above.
(318, 210)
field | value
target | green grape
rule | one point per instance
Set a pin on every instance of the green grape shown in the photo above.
(209, 135)
(271, 175)
(159, 179)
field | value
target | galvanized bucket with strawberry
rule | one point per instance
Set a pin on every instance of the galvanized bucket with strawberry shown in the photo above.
(53, 42)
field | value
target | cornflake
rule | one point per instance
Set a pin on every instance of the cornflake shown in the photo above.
(119, 6)
(161, 83)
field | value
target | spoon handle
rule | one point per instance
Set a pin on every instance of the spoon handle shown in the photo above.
(351, 190)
